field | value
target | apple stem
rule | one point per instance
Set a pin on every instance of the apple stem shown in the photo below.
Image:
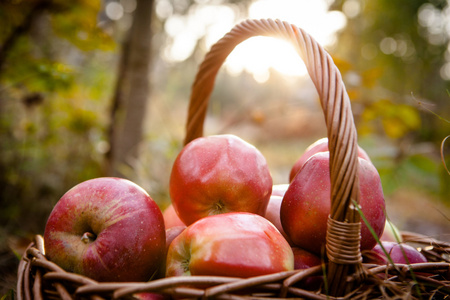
(218, 208)
(88, 237)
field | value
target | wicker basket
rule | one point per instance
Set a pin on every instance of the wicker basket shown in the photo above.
(344, 273)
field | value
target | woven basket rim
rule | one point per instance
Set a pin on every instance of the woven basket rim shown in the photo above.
(35, 269)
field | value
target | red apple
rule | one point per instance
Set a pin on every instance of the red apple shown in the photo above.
(399, 253)
(306, 204)
(171, 218)
(150, 296)
(391, 233)
(108, 229)
(273, 214)
(219, 174)
(172, 233)
(320, 145)
(236, 244)
(304, 259)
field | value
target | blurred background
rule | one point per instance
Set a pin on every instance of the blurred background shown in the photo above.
(101, 88)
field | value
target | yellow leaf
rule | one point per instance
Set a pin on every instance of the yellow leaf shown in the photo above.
(343, 65)
(410, 116)
(370, 77)
(394, 127)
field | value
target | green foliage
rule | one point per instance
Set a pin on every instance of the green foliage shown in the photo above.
(396, 120)
(78, 24)
(55, 87)
(418, 171)
(394, 60)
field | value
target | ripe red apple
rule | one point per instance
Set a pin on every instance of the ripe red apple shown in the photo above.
(236, 244)
(171, 218)
(391, 233)
(219, 174)
(108, 229)
(306, 204)
(150, 296)
(321, 145)
(399, 253)
(304, 259)
(172, 233)
(273, 214)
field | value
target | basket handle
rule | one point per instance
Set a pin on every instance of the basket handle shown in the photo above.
(342, 138)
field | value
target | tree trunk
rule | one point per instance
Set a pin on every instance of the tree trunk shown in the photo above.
(132, 92)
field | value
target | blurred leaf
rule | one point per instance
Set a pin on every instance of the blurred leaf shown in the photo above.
(396, 119)
(418, 171)
(29, 127)
(81, 121)
(354, 94)
(423, 164)
(370, 76)
(342, 64)
(78, 24)
(394, 128)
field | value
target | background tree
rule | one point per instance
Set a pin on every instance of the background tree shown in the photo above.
(131, 96)
(48, 98)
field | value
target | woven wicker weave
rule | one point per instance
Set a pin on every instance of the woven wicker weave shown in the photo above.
(346, 276)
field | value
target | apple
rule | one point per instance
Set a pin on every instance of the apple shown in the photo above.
(304, 259)
(171, 218)
(108, 229)
(306, 204)
(391, 233)
(172, 233)
(273, 214)
(399, 253)
(321, 145)
(236, 244)
(150, 296)
(218, 174)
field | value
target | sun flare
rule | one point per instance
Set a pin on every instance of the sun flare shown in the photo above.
(258, 55)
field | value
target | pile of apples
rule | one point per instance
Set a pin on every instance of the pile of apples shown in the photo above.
(226, 218)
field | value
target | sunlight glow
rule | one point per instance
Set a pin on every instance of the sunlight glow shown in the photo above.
(258, 55)
(114, 11)
(185, 31)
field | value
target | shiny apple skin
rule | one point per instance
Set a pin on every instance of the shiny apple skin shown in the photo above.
(391, 233)
(306, 204)
(172, 233)
(321, 145)
(397, 253)
(233, 244)
(304, 259)
(171, 218)
(127, 223)
(219, 174)
(273, 214)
